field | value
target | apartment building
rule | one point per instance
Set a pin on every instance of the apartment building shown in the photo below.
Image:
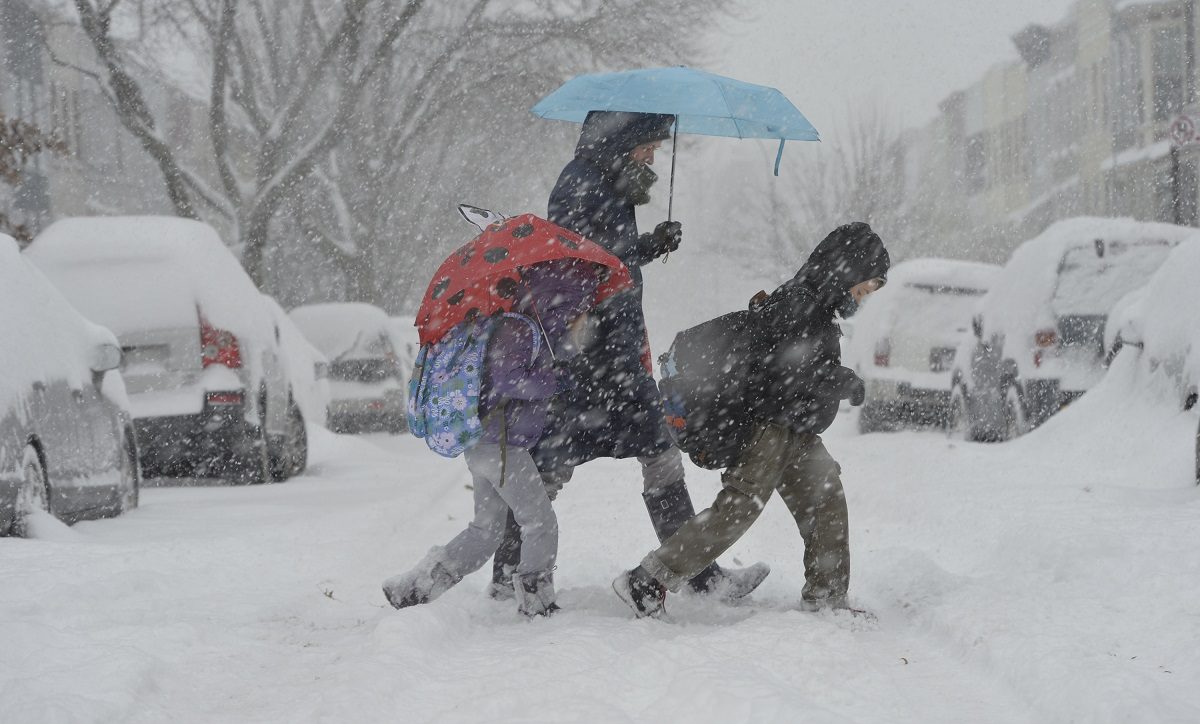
(1079, 124)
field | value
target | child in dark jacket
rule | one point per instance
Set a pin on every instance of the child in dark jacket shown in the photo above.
(794, 392)
(519, 380)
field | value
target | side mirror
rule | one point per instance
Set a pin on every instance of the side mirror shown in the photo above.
(977, 326)
(105, 357)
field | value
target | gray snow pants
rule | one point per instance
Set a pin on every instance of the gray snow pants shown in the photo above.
(524, 494)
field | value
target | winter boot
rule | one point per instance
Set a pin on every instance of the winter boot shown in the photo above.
(641, 592)
(507, 558)
(670, 507)
(535, 593)
(426, 581)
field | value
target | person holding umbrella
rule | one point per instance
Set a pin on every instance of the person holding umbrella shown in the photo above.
(614, 409)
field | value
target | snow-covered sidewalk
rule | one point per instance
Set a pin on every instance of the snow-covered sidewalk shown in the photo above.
(1050, 579)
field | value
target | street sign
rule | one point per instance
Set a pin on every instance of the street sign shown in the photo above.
(1185, 130)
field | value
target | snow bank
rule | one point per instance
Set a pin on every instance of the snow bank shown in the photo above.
(42, 337)
(343, 329)
(135, 273)
(1170, 318)
(300, 360)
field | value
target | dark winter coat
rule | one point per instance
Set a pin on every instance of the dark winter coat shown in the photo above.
(555, 293)
(800, 379)
(615, 409)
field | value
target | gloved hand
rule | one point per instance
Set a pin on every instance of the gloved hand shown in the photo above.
(666, 238)
(857, 391)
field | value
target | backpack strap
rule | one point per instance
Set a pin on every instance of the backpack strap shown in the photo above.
(536, 329)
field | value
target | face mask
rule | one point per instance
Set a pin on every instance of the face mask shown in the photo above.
(635, 182)
(847, 307)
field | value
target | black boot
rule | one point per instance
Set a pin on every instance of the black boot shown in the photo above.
(641, 591)
(505, 562)
(670, 507)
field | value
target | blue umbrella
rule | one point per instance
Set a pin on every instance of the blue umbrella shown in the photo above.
(702, 103)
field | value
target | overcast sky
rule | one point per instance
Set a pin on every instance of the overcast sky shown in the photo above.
(908, 54)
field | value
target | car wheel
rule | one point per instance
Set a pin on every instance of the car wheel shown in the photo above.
(292, 455)
(249, 463)
(131, 474)
(1016, 421)
(34, 494)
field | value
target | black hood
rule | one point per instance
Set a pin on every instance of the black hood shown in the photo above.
(849, 255)
(608, 135)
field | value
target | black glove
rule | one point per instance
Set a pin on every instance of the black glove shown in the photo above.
(856, 391)
(666, 238)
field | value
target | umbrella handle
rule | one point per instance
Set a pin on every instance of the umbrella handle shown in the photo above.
(671, 192)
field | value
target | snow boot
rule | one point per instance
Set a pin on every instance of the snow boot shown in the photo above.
(426, 581)
(507, 558)
(670, 507)
(534, 593)
(641, 592)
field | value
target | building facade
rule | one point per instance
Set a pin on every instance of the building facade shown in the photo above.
(1078, 125)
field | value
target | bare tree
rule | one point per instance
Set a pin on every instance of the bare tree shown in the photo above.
(295, 73)
(19, 143)
(855, 175)
(341, 112)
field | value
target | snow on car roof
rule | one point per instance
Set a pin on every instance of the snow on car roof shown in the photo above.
(1019, 301)
(42, 337)
(135, 273)
(337, 328)
(947, 273)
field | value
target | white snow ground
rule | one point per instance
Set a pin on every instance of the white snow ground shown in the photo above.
(1052, 579)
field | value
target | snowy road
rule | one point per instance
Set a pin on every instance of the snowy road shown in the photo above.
(1032, 581)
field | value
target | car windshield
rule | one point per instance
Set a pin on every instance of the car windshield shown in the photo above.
(1091, 279)
(364, 370)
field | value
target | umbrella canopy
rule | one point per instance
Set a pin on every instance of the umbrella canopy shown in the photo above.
(702, 103)
(483, 276)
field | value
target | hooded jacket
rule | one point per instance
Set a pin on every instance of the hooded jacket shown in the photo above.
(555, 293)
(615, 410)
(799, 379)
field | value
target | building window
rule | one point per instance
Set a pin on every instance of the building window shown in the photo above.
(976, 163)
(1126, 97)
(1170, 64)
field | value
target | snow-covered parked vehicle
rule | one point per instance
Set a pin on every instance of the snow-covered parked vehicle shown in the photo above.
(1037, 339)
(202, 362)
(1157, 325)
(405, 341)
(366, 377)
(905, 338)
(67, 443)
(307, 372)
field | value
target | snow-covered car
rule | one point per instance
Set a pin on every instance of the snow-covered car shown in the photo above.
(67, 442)
(1037, 339)
(1158, 325)
(307, 371)
(202, 363)
(366, 378)
(905, 338)
(405, 341)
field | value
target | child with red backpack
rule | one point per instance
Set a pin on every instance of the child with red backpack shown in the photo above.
(518, 380)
